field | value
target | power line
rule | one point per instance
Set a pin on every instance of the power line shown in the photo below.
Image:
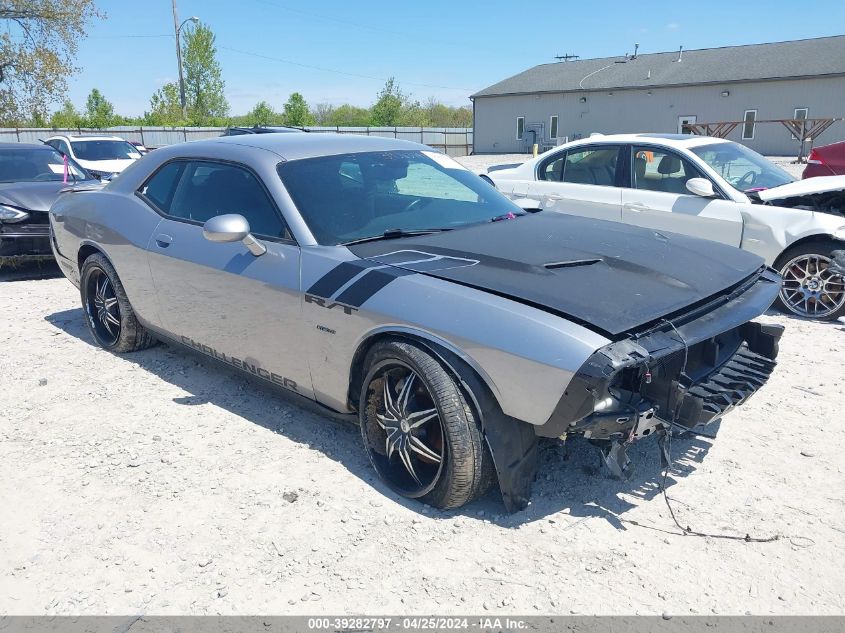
(120, 37)
(358, 25)
(335, 71)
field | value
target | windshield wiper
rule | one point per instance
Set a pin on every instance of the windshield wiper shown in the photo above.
(392, 234)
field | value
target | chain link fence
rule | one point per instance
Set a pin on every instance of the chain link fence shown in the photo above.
(452, 141)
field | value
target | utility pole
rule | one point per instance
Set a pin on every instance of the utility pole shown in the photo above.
(178, 28)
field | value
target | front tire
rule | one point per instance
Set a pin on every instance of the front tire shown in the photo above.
(419, 432)
(809, 289)
(109, 315)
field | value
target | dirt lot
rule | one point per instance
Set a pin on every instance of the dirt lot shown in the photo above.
(158, 483)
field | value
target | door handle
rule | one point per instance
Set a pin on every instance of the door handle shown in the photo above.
(636, 207)
(163, 240)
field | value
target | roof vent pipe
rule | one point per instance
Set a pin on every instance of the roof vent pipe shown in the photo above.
(636, 48)
(681, 54)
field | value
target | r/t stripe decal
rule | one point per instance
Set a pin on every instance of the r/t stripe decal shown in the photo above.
(369, 284)
(338, 276)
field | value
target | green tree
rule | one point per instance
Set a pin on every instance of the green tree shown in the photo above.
(262, 114)
(296, 111)
(38, 46)
(39, 119)
(66, 117)
(165, 108)
(387, 110)
(440, 115)
(349, 115)
(204, 83)
(99, 112)
(413, 115)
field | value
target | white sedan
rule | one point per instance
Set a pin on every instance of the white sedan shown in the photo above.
(103, 156)
(700, 186)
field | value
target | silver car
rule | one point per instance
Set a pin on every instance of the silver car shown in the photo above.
(383, 281)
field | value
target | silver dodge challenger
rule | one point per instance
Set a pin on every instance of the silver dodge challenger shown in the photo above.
(381, 281)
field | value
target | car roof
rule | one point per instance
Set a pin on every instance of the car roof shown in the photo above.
(87, 137)
(296, 146)
(267, 129)
(671, 140)
(32, 146)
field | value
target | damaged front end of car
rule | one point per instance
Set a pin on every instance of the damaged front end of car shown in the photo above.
(682, 372)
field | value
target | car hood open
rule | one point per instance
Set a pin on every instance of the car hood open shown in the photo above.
(819, 184)
(607, 276)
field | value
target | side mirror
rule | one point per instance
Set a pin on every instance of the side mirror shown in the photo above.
(232, 227)
(701, 187)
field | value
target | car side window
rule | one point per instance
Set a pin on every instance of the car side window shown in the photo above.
(207, 189)
(661, 170)
(552, 169)
(161, 185)
(591, 166)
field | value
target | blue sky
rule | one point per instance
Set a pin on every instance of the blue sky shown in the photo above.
(446, 49)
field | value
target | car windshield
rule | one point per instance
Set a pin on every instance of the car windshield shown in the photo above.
(744, 169)
(357, 196)
(37, 165)
(104, 150)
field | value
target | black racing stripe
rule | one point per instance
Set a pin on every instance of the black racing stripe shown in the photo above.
(363, 289)
(443, 263)
(400, 257)
(333, 280)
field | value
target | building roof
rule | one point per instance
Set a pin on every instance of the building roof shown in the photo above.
(779, 60)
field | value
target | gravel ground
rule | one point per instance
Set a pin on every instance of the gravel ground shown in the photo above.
(159, 483)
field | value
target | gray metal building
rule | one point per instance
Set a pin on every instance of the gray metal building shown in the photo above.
(659, 92)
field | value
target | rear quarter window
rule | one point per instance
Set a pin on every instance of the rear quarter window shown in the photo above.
(160, 187)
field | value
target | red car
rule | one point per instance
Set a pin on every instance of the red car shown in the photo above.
(828, 160)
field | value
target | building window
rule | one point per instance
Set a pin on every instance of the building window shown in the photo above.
(749, 123)
(520, 127)
(553, 128)
(800, 115)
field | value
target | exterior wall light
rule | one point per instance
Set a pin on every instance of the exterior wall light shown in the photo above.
(726, 93)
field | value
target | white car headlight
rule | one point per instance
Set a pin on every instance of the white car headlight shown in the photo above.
(10, 214)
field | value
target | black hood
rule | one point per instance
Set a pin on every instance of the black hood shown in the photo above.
(610, 276)
(33, 196)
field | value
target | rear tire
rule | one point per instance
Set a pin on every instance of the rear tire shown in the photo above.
(109, 315)
(809, 290)
(419, 432)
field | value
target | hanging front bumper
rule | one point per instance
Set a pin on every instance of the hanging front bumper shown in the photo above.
(684, 373)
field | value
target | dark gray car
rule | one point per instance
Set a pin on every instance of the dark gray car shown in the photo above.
(381, 280)
(31, 177)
